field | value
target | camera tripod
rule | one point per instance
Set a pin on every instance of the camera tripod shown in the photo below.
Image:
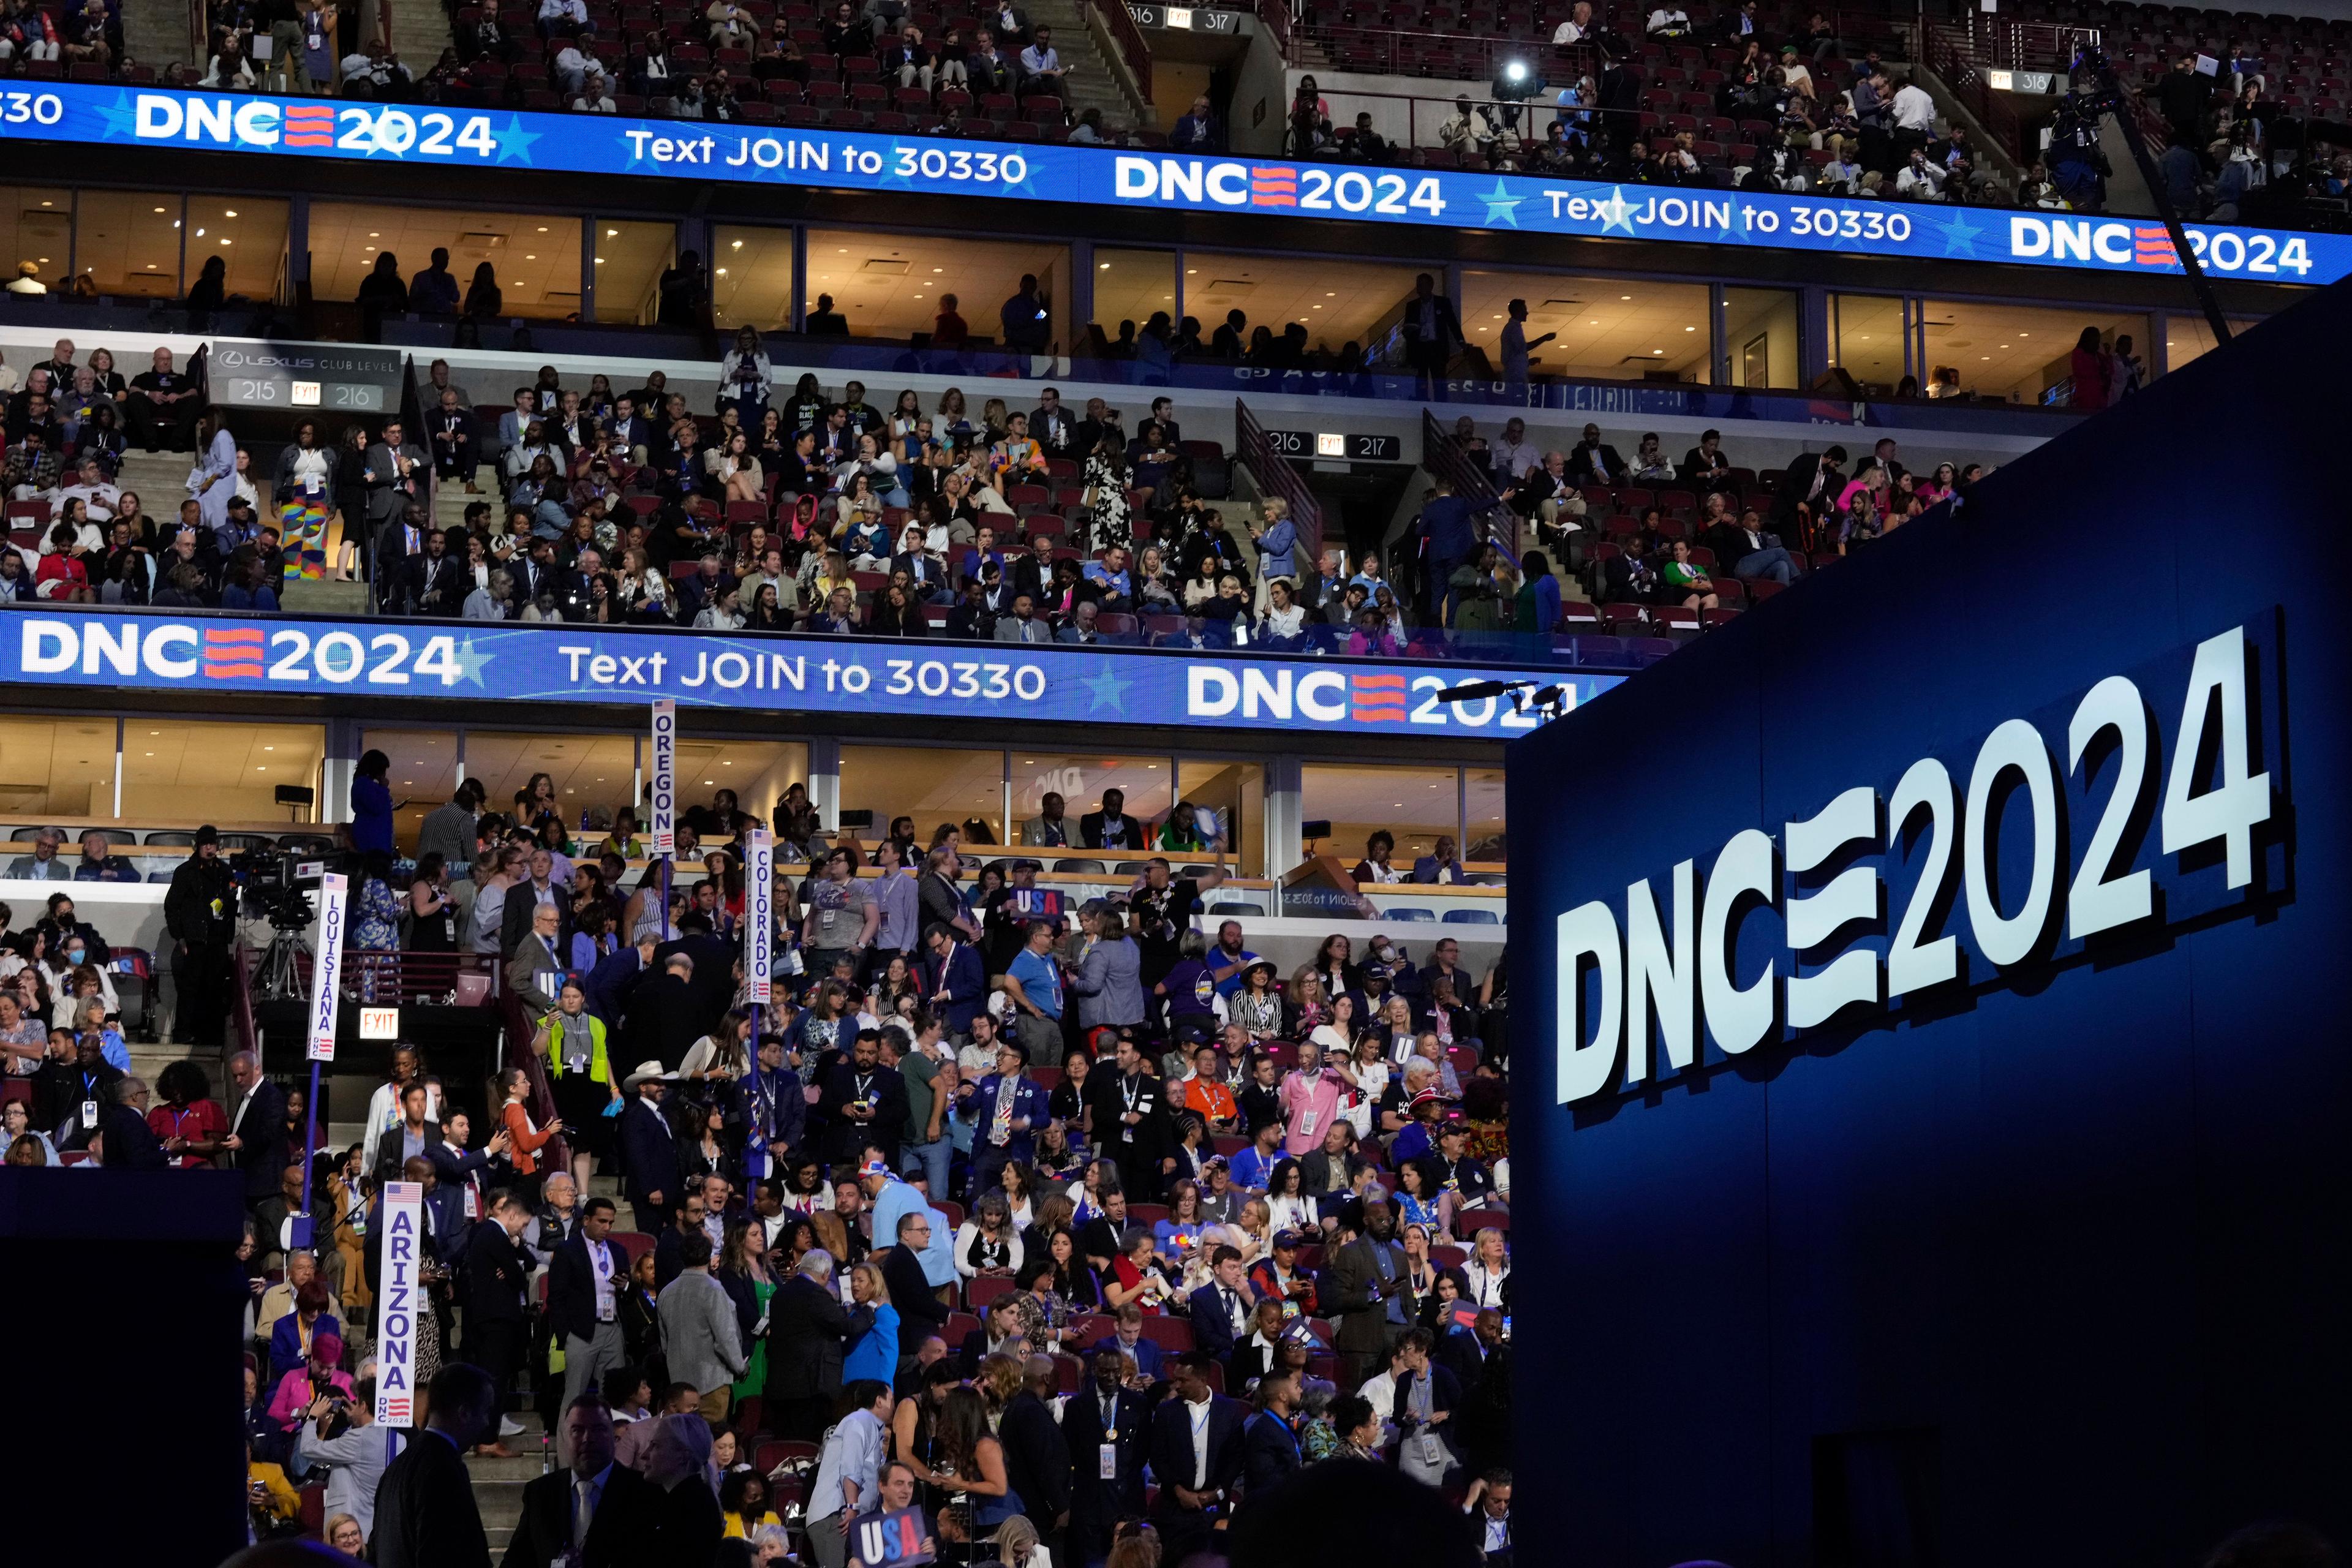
(278, 976)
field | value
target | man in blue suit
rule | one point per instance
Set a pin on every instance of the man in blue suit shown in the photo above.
(648, 1149)
(953, 978)
(608, 984)
(1222, 1308)
(1447, 540)
(1128, 1340)
(1442, 866)
(1196, 1477)
(1106, 1415)
(1007, 1107)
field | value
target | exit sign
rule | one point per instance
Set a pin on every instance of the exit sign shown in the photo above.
(1332, 446)
(379, 1023)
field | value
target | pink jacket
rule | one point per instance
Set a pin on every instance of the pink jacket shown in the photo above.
(295, 1392)
(1308, 1107)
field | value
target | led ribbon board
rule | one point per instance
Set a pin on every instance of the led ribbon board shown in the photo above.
(929, 679)
(93, 115)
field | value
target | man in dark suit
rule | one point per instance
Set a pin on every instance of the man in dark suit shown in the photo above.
(425, 1516)
(450, 428)
(584, 1279)
(434, 582)
(1032, 573)
(536, 576)
(619, 1508)
(714, 967)
(1594, 462)
(395, 471)
(663, 1013)
(128, 1143)
(1037, 1458)
(1052, 428)
(1196, 1479)
(1269, 1443)
(806, 1326)
(523, 899)
(648, 1147)
(1466, 1355)
(669, 1260)
(541, 952)
(955, 979)
(1366, 1277)
(1105, 1419)
(631, 429)
(921, 1313)
(1432, 332)
(492, 1286)
(257, 1128)
(1222, 1308)
(865, 1103)
(1006, 1120)
(1812, 482)
(1111, 827)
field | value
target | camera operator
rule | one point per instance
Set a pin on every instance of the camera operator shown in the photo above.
(200, 916)
(339, 1436)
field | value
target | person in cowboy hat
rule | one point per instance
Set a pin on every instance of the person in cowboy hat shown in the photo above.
(648, 1147)
(1419, 1138)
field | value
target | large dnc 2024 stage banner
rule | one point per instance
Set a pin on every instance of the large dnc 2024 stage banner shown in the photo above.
(1043, 684)
(691, 150)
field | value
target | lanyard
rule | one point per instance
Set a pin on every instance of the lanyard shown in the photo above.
(1132, 1090)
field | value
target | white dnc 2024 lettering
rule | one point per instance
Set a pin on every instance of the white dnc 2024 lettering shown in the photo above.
(1672, 973)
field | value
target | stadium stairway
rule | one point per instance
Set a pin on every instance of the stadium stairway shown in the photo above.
(498, 1483)
(1092, 84)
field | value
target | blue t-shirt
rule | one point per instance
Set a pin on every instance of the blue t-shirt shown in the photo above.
(1251, 1169)
(1040, 981)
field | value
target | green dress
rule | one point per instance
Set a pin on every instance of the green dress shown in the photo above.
(754, 1380)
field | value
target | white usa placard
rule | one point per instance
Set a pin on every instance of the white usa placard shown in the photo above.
(664, 781)
(326, 970)
(399, 1297)
(759, 913)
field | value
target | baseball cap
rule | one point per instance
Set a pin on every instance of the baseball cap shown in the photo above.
(1285, 1239)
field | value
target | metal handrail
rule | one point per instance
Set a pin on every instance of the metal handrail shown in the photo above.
(1443, 456)
(1134, 52)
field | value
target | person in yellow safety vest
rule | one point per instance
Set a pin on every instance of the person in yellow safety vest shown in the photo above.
(582, 1078)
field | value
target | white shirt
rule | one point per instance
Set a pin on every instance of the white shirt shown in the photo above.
(1568, 33)
(1199, 1416)
(1379, 1392)
(1922, 177)
(1914, 110)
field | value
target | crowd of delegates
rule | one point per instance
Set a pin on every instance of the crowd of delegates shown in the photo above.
(1671, 96)
(1698, 533)
(68, 426)
(2247, 140)
(1001, 1208)
(881, 62)
(60, 38)
(796, 510)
